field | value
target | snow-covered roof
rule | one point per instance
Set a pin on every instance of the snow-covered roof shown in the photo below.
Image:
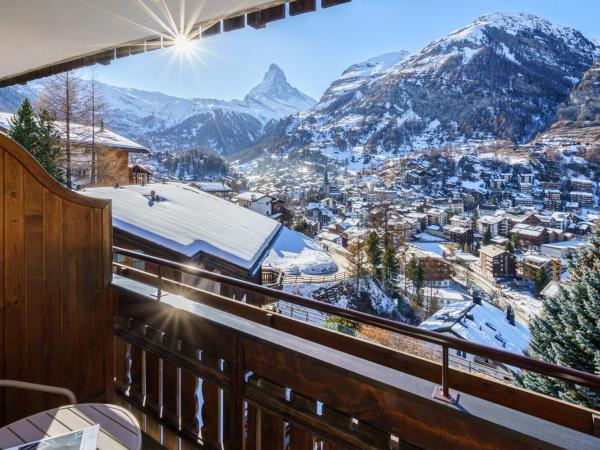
(483, 324)
(572, 244)
(188, 221)
(82, 134)
(435, 250)
(212, 186)
(295, 253)
(492, 250)
(251, 196)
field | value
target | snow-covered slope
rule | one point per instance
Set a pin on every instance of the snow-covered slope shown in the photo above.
(295, 254)
(163, 122)
(501, 77)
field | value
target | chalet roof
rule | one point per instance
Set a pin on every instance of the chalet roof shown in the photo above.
(39, 38)
(212, 186)
(189, 222)
(483, 324)
(251, 196)
(82, 134)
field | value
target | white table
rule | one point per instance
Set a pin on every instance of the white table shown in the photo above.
(119, 429)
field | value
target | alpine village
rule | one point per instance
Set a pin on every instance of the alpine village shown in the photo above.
(410, 261)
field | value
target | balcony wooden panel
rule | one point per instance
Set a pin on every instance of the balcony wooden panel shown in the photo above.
(55, 267)
(508, 395)
(294, 387)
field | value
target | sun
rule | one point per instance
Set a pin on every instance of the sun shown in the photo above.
(183, 44)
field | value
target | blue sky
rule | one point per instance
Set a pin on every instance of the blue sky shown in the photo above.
(313, 49)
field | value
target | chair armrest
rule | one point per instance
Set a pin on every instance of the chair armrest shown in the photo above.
(41, 388)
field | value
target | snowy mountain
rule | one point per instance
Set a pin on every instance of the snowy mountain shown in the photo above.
(163, 122)
(501, 77)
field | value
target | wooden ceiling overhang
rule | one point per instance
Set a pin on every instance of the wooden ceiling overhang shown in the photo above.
(39, 38)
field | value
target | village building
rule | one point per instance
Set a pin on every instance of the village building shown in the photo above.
(112, 153)
(181, 223)
(495, 262)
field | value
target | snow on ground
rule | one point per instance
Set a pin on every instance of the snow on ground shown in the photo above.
(524, 302)
(295, 254)
(380, 300)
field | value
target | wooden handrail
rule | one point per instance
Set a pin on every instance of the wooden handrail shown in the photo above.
(521, 361)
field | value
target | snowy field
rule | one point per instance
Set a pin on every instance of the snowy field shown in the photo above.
(296, 254)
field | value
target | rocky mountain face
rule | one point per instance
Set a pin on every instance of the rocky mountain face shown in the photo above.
(163, 122)
(584, 101)
(578, 121)
(501, 77)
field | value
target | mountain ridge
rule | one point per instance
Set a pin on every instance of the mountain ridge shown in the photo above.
(501, 77)
(164, 122)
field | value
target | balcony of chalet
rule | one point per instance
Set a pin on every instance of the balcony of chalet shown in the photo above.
(220, 369)
(201, 369)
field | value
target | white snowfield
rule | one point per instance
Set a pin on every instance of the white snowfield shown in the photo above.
(295, 254)
(188, 221)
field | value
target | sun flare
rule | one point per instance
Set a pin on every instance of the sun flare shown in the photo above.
(183, 43)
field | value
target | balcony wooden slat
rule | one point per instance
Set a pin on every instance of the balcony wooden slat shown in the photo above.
(152, 382)
(170, 394)
(300, 439)
(33, 199)
(15, 320)
(271, 433)
(136, 371)
(210, 413)
(121, 365)
(189, 403)
(252, 426)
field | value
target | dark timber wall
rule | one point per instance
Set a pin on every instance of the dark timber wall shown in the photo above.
(55, 256)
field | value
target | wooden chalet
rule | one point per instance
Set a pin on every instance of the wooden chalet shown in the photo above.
(207, 370)
(113, 152)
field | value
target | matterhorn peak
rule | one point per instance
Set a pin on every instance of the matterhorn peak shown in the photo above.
(276, 93)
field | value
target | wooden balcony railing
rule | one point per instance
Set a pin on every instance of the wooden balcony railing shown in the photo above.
(221, 373)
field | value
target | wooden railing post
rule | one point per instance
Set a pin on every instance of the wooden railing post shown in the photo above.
(236, 410)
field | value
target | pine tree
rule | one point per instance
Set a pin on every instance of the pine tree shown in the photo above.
(357, 261)
(391, 267)
(302, 227)
(567, 333)
(487, 237)
(24, 127)
(48, 149)
(373, 250)
(541, 279)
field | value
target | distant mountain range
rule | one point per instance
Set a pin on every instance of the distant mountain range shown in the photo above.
(502, 77)
(163, 122)
(508, 77)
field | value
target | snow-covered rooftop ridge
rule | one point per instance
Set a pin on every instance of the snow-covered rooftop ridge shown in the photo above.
(82, 134)
(188, 221)
(483, 324)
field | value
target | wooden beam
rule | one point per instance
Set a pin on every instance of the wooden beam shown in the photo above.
(259, 19)
(302, 6)
(234, 23)
(329, 3)
(211, 30)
